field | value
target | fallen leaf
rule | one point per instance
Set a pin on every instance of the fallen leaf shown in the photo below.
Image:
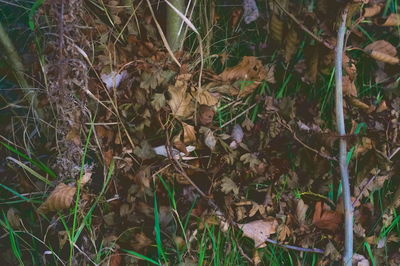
(227, 185)
(301, 211)
(13, 218)
(60, 198)
(189, 133)
(326, 219)
(259, 230)
(372, 10)
(237, 136)
(382, 50)
(209, 138)
(181, 101)
(204, 97)
(158, 101)
(331, 252)
(283, 232)
(392, 20)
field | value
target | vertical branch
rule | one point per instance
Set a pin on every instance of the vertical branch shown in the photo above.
(348, 208)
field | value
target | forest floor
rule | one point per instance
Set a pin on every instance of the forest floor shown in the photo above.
(117, 148)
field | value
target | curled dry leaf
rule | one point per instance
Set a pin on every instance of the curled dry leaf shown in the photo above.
(382, 51)
(326, 219)
(259, 230)
(181, 101)
(60, 198)
(392, 20)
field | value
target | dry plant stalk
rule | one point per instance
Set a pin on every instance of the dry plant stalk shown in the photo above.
(348, 207)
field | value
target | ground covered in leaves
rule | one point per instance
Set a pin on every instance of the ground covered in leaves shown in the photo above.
(224, 152)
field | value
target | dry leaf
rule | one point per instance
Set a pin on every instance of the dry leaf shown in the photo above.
(227, 185)
(301, 211)
(382, 51)
(209, 138)
(60, 198)
(259, 230)
(13, 218)
(392, 20)
(189, 133)
(283, 232)
(349, 88)
(181, 101)
(291, 44)
(158, 101)
(237, 136)
(326, 219)
(276, 26)
(206, 98)
(372, 10)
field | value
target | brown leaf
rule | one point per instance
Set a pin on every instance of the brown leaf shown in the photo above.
(60, 198)
(372, 10)
(181, 101)
(259, 230)
(250, 68)
(283, 232)
(326, 219)
(206, 98)
(382, 51)
(392, 20)
(276, 27)
(291, 44)
(189, 133)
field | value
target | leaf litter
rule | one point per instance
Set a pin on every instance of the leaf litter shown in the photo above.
(249, 140)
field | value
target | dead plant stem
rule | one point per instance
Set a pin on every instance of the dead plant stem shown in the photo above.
(348, 207)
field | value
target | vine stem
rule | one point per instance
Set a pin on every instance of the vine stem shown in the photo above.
(348, 207)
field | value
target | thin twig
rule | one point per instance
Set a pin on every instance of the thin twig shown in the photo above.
(348, 208)
(313, 250)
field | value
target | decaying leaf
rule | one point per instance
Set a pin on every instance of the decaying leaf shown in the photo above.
(291, 43)
(283, 232)
(382, 50)
(60, 198)
(259, 230)
(251, 159)
(14, 218)
(181, 101)
(326, 219)
(227, 185)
